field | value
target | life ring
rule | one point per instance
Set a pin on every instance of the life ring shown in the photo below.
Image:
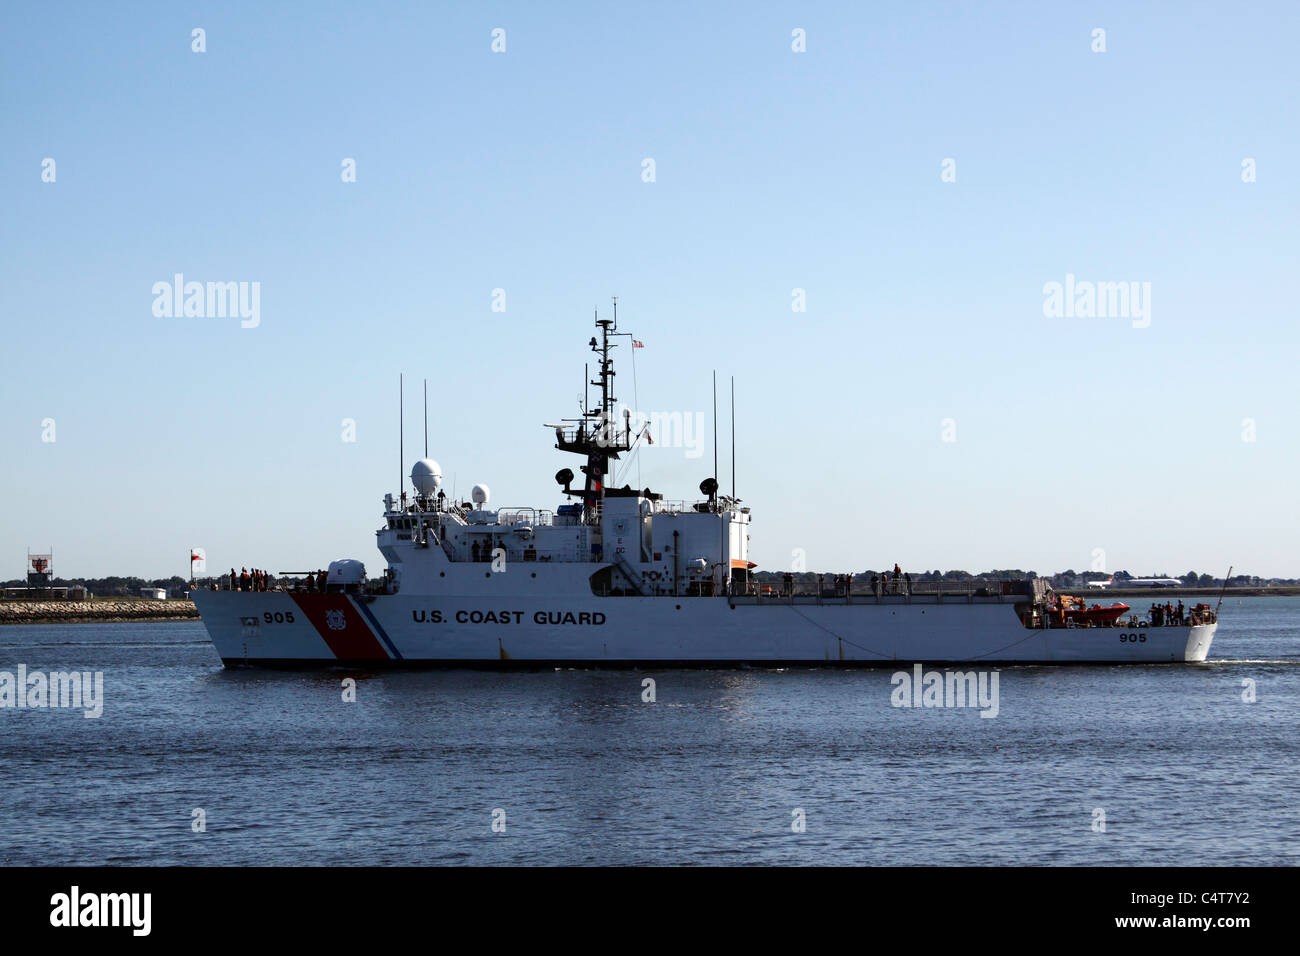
(653, 575)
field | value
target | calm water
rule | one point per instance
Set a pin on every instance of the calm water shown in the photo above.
(287, 773)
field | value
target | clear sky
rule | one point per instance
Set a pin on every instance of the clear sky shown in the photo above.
(1170, 447)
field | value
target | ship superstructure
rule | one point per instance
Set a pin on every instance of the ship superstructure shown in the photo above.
(607, 541)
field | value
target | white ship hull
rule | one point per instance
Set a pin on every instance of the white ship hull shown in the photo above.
(310, 629)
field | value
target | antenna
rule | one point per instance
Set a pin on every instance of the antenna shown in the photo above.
(426, 418)
(733, 436)
(715, 424)
(1221, 590)
(401, 435)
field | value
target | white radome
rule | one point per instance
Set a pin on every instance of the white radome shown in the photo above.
(480, 494)
(426, 476)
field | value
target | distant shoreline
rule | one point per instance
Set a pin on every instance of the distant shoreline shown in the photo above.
(1280, 590)
(101, 611)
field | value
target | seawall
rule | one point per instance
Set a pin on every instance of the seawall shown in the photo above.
(45, 612)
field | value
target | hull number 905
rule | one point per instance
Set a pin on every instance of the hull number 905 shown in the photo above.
(278, 617)
(1133, 638)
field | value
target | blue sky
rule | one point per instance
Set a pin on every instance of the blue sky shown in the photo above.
(774, 170)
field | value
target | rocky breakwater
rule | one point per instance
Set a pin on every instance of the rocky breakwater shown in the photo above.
(45, 612)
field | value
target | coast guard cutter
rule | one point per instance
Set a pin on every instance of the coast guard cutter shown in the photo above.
(624, 577)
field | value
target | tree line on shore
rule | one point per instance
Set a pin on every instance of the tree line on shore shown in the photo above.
(1061, 579)
(114, 585)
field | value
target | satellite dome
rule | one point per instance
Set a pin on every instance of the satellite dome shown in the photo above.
(480, 494)
(426, 475)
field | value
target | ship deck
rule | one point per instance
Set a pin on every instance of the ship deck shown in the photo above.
(896, 599)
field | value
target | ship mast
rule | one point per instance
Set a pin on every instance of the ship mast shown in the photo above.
(597, 436)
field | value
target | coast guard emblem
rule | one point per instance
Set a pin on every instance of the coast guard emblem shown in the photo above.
(336, 620)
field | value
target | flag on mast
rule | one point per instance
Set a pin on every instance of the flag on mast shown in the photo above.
(198, 560)
(638, 344)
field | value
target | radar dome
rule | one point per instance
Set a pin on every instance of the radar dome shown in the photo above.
(426, 476)
(480, 494)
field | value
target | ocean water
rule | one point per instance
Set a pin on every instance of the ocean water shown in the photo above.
(583, 771)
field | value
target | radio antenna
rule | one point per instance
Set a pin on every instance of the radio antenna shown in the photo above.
(715, 424)
(733, 436)
(426, 418)
(401, 435)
